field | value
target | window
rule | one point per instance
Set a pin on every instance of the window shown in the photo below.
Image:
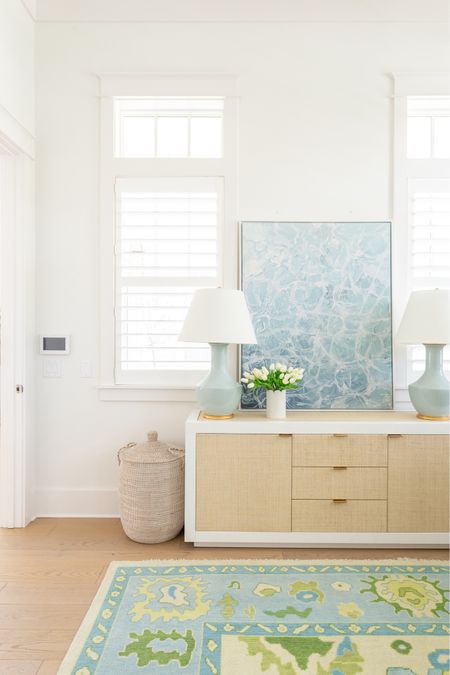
(429, 226)
(167, 238)
(168, 191)
(422, 195)
(168, 127)
(428, 127)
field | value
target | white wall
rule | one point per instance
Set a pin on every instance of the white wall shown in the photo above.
(315, 143)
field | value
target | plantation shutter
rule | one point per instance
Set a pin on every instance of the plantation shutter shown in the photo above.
(429, 216)
(167, 240)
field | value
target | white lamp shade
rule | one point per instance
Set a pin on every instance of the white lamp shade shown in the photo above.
(426, 319)
(218, 315)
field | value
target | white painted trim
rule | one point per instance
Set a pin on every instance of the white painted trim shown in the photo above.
(62, 503)
(413, 83)
(134, 393)
(323, 539)
(150, 85)
(167, 84)
(7, 347)
(15, 437)
(13, 132)
(30, 8)
(244, 11)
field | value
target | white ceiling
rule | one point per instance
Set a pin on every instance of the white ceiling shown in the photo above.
(242, 10)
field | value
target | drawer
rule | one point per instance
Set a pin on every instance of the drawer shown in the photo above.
(355, 515)
(247, 442)
(330, 483)
(346, 450)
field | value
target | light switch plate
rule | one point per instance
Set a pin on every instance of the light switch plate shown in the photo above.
(52, 368)
(86, 369)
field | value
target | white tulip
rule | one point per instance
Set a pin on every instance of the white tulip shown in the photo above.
(285, 380)
(293, 380)
(272, 367)
(264, 377)
(278, 366)
(246, 373)
(264, 370)
(251, 385)
(283, 368)
(244, 380)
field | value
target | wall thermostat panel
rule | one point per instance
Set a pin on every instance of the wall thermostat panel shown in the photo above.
(54, 344)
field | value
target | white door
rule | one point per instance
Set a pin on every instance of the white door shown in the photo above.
(15, 218)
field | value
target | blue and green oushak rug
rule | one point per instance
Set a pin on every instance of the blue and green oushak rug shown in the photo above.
(271, 617)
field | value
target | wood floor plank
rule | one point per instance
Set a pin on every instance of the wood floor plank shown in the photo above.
(51, 569)
(39, 528)
(49, 667)
(14, 667)
(29, 616)
(85, 544)
(48, 593)
(38, 644)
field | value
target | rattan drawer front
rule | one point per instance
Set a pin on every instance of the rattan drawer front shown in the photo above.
(248, 442)
(346, 450)
(334, 483)
(321, 515)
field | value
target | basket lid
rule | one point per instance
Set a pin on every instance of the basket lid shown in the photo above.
(150, 452)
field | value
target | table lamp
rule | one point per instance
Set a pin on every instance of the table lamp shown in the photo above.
(219, 316)
(427, 320)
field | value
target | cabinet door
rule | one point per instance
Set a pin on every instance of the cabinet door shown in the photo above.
(243, 483)
(418, 479)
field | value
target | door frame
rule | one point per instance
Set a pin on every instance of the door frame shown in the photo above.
(16, 204)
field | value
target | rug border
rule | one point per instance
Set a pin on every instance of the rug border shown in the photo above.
(84, 629)
(71, 657)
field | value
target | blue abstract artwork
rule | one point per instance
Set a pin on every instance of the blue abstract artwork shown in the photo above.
(320, 298)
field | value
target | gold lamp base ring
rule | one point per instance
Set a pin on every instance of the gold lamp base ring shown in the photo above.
(434, 419)
(218, 417)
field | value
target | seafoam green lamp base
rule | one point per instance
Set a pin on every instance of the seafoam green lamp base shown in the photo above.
(430, 394)
(219, 394)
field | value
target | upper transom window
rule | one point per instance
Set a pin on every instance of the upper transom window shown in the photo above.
(428, 131)
(168, 128)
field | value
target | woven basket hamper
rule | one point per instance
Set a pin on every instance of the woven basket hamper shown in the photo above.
(151, 490)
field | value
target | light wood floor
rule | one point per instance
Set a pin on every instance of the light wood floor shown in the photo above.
(50, 571)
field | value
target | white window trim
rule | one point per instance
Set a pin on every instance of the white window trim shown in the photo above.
(407, 84)
(110, 167)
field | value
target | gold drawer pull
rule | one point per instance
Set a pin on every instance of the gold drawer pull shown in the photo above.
(340, 435)
(339, 468)
(285, 435)
(395, 435)
(339, 501)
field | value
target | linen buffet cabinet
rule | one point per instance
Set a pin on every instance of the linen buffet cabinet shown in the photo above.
(316, 479)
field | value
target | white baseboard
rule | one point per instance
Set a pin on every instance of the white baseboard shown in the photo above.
(60, 503)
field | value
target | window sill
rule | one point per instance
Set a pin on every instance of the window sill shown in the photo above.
(126, 392)
(185, 394)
